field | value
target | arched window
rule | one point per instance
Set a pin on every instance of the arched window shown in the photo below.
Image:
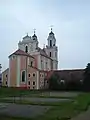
(50, 54)
(33, 74)
(46, 65)
(26, 49)
(50, 43)
(23, 78)
(31, 63)
(28, 82)
(28, 75)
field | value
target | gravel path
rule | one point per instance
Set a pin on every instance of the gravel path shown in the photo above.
(63, 94)
(83, 116)
(22, 110)
(35, 99)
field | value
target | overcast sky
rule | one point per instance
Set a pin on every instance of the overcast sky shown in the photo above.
(71, 21)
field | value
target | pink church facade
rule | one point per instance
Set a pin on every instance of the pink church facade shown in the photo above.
(23, 71)
(30, 65)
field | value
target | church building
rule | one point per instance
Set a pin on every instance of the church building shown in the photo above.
(30, 64)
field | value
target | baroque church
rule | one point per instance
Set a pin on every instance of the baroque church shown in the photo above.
(30, 64)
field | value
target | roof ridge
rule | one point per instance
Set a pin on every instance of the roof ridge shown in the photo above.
(21, 52)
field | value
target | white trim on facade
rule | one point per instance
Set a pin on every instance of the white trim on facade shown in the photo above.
(37, 87)
(39, 62)
(18, 71)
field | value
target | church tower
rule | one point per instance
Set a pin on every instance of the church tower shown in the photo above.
(52, 50)
(29, 44)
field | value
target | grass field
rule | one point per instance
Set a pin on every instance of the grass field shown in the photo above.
(58, 111)
(12, 92)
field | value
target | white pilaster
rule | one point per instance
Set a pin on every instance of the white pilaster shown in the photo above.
(37, 80)
(39, 62)
(18, 71)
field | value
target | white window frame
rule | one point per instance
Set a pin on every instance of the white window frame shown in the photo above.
(28, 83)
(27, 48)
(33, 73)
(34, 84)
(62, 81)
(29, 74)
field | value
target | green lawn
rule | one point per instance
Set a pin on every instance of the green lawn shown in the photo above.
(61, 111)
(58, 111)
(68, 109)
(16, 92)
(12, 92)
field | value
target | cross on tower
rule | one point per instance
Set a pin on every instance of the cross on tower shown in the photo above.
(51, 27)
(26, 33)
(34, 30)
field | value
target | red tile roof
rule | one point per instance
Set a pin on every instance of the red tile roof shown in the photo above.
(34, 67)
(21, 52)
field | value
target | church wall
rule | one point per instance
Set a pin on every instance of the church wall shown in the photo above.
(33, 77)
(36, 60)
(46, 63)
(32, 46)
(55, 65)
(42, 76)
(13, 71)
(21, 47)
(24, 62)
(18, 71)
(5, 77)
(45, 60)
(49, 64)
(39, 62)
(21, 66)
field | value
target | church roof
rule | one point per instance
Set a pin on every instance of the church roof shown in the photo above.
(34, 67)
(34, 37)
(26, 36)
(21, 52)
(42, 52)
(38, 69)
(5, 70)
(51, 33)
